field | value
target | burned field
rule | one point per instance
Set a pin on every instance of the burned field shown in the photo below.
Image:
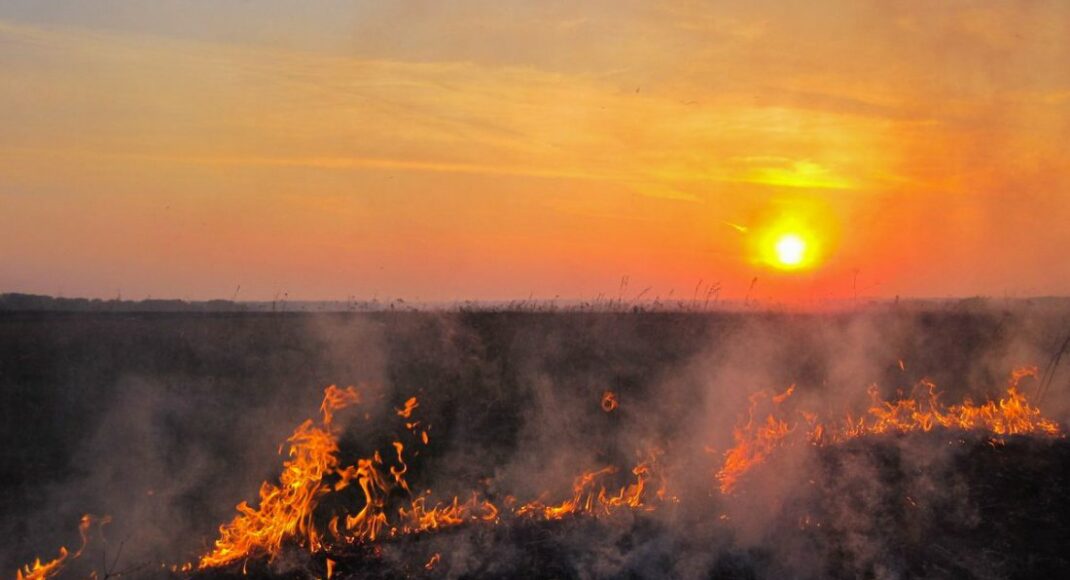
(1004, 517)
(891, 442)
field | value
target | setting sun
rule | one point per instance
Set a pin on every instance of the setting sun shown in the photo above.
(790, 250)
(793, 237)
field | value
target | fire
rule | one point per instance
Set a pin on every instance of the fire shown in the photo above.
(285, 509)
(590, 496)
(1008, 415)
(410, 406)
(754, 441)
(41, 570)
(387, 507)
(609, 401)
(435, 559)
(415, 515)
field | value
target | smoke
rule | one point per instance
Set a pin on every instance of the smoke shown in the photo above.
(161, 423)
(177, 420)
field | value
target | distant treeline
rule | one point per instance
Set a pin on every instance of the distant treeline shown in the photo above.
(35, 302)
(17, 302)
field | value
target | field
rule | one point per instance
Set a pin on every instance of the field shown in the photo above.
(165, 421)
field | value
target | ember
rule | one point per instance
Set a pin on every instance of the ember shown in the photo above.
(609, 401)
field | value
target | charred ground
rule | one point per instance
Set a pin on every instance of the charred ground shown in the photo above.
(1000, 511)
(166, 420)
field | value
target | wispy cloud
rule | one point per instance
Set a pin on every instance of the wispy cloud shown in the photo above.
(195, 102)
(626, 130)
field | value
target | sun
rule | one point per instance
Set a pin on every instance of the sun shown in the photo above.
(794, 237)
(789, 247)
(790, 250)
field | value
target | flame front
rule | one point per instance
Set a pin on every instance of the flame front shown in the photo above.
(755, 440)
(1009, 415)
(387, 507)
(285, 510)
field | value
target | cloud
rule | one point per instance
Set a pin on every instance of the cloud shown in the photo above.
(506, 110)
(226, 105)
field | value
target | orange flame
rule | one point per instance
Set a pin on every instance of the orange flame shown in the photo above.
(285, 509)
(590, 496)
(388, 507)
(407, 410)
(754, 441)
(41, 570)
(1009, 415)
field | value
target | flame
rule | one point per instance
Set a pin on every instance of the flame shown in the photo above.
(410, 406)
(372, 518)
(285, 509)
(1011, 414)
(609, 401)
(335, 399)
(590, 496)
(387, 507)
(754, 440)
(419, 515)
(41, 570)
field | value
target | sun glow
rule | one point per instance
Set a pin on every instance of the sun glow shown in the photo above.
(793, 237)
(788, 247)
(790, 250)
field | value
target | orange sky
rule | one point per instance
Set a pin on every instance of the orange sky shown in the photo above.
(488, 150)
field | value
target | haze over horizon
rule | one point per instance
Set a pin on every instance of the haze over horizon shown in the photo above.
(497, 150)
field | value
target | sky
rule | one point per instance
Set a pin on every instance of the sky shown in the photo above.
(492, 150)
